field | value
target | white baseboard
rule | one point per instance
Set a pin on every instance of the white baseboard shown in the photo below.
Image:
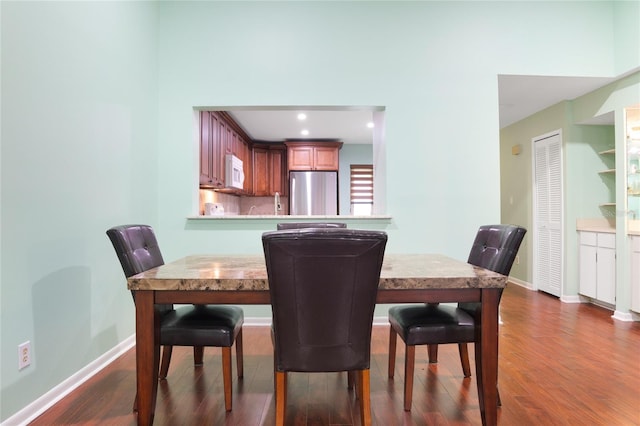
(622, 316)
(46, 401)
(521, 283)
(257, 322)
(571, 299)
(380, 321)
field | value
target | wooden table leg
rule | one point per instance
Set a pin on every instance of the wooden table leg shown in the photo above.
(147, 355)
(487, 357)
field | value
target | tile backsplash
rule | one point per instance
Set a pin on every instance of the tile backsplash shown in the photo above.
(262, 205)
(236, 205)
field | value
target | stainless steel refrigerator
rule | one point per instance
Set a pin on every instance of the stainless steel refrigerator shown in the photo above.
(313, 193)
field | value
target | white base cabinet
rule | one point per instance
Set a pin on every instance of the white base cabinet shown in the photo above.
(597, 262)
(635, 274)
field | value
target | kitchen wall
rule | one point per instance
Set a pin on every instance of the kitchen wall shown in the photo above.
(98, 130)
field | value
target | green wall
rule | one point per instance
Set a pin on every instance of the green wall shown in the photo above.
(79, 154)
(98, 130)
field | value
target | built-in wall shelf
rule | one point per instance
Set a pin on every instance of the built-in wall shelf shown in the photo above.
(609, 180)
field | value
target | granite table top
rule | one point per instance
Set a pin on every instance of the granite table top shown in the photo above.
(248, 273)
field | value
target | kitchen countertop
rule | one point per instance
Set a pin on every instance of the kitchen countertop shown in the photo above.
(596, 225)
(603, 229)
(607, 226)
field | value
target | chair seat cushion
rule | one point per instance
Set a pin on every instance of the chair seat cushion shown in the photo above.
(432, 324)
(201, 325)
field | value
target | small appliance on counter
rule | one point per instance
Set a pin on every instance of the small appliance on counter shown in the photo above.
(213, 209)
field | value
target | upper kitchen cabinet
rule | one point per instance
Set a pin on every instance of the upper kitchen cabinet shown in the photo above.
(307, 155)
(269, 169)
(278, 175)
(211, 151)
(220, 136)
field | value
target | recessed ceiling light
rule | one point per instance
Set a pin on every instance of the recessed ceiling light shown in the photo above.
(304, 132)
(302, 116)
(370, 124)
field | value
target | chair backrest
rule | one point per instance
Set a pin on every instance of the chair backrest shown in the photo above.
(323, 285)
(136, 247)
(495, 247)
(300, 225)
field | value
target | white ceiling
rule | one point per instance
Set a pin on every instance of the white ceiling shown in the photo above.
(519, 97)
(278, 123)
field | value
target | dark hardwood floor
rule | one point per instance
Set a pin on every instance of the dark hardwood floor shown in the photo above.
(560, 364)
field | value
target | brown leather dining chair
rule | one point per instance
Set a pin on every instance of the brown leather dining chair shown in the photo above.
(323, 285)
(194, 325)
(494, 248)
(299, 225)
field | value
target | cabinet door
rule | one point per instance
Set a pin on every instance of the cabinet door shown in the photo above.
(606, 275)
(325, 158)
(246, 155)
(211, 167)
(205, 149)
(261, 172)
(237, 145)
(217, 150)
(221, 148)
(229, 140)
(277, 172)
(588, 270)
(300, 158)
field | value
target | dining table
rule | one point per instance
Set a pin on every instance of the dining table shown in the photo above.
(242, 280)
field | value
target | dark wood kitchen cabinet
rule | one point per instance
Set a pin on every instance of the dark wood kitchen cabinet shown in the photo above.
(260, 170)
(279, 175)
(309, 155)
(220, 136)
(269, 169)
(211, 149)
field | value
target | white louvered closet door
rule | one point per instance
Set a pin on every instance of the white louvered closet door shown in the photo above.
(548, 214)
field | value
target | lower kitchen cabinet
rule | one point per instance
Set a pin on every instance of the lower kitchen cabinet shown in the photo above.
(597, 263)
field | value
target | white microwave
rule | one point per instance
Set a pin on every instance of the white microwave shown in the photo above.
(234, 175)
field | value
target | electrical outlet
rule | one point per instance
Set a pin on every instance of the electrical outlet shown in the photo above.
(24, 355)
(517, 259)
